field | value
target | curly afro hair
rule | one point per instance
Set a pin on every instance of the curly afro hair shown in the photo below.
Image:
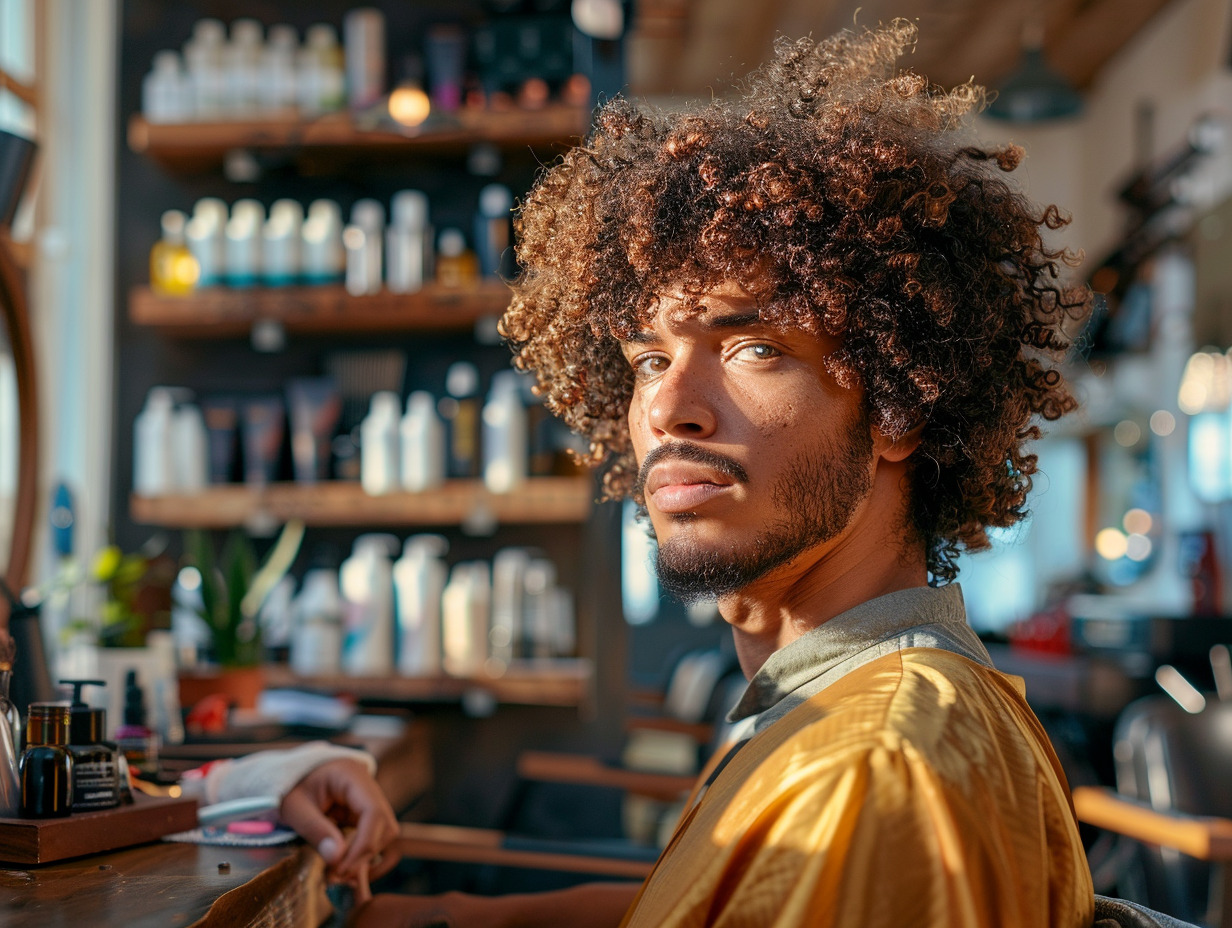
(843, 196)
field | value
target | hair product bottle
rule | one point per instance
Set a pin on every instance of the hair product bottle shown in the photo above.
(378, 445)
(367, 592)
(504, 434)
(46, 767)
(422, 436)
(173, 269)
(419, 583)
(96, 778)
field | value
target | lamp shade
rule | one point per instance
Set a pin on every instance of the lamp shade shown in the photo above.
(1034, 93)
(16, 158)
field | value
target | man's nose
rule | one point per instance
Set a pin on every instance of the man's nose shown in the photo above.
(683, 404)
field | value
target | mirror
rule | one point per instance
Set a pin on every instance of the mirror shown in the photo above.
(18, 395)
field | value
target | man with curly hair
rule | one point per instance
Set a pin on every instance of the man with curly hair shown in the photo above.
(811, 330)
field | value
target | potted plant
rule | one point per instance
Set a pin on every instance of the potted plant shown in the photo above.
(232, 589)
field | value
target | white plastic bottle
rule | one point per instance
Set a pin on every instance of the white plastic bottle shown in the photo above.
(323, 255)
(505, 633)
(190, 449)
(465, 608)
(203, 58)
(504, 434)
(317, 613)
(281, 242)
(422, 436)
(378, 445)
(408, 242)
(243, 248)
(419, 585)
(166, 92)
(205, 235)
(153, 453)
(363, 240)
(368, 597)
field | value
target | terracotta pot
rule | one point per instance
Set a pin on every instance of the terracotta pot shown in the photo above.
(240, 685)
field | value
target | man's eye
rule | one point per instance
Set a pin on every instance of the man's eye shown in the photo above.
(758, 352)
(650, 364)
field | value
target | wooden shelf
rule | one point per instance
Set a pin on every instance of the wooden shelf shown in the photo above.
(203, 145)
(561, 682)
(541, 500)
(220, 312)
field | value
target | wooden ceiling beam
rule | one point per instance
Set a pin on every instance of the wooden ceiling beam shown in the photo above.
(1098, 31)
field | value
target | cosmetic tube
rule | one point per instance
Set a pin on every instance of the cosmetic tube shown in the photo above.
(263, 428)
(221, 428)
(314, 409)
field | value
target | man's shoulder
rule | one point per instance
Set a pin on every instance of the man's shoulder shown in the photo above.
(925, 700)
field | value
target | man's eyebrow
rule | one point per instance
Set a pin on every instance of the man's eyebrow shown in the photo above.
(732, 321)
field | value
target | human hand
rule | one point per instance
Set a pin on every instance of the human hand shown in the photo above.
(342, 793)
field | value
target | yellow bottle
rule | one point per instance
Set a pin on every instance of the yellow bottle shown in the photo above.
(173, 269)
(456, 266)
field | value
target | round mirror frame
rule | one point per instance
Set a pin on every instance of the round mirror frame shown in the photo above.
(14, 308)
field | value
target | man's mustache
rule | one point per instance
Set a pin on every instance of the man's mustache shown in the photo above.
(694, 454)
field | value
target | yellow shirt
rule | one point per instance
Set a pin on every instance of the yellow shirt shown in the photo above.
(917, 790)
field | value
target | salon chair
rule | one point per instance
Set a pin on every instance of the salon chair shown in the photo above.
(1174, 798)
(669, 737)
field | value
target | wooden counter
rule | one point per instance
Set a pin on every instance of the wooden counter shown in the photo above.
(170, 886)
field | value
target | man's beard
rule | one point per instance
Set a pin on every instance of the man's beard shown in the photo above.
(817, 495)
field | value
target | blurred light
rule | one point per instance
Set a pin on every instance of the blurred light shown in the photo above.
(1206, 384)
(1137, 547)
(409, 105)
(189, 578)
(1163, 423)
(1137, 522)
(1111, 544)
(1208, 456)
(1127, 433)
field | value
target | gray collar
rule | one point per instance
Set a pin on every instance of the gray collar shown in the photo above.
(921, 617)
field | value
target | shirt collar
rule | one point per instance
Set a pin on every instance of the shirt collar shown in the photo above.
(916, 617)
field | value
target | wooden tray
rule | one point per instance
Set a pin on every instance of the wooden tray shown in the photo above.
(40, 841)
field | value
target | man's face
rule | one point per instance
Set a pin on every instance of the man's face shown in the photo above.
(750, 454)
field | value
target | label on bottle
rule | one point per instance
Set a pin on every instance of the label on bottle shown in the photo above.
(95, 785)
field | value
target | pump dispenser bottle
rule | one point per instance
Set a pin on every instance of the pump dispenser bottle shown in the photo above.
(96, 779)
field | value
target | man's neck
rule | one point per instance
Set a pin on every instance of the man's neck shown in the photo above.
(871, 558)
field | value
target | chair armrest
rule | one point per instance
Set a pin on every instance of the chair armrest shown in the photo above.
(486, 846)
(1206, 838)
(700, 732)
(586, 770)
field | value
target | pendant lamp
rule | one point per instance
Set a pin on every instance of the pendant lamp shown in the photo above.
(1034, 92)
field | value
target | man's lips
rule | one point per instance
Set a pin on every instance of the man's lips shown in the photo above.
(680, 476)
(677, 486)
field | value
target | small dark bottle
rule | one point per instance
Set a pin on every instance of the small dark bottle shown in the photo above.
(46, 767)
(96, 780)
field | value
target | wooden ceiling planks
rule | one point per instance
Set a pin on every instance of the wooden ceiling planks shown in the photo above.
(695, 47)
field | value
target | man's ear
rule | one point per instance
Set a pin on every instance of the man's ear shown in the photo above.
(897, 449)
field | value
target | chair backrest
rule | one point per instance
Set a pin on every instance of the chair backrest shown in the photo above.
(1117, 913)
(1175, 760)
